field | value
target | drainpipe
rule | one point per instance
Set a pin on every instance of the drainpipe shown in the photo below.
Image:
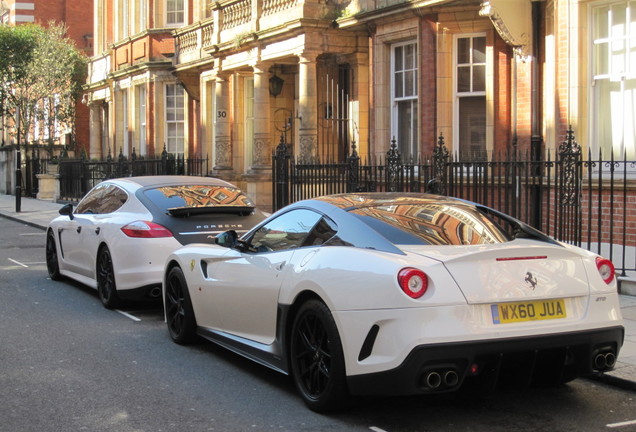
(536, 139)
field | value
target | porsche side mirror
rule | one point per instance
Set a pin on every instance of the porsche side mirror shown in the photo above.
(67, 210)
(227, 239)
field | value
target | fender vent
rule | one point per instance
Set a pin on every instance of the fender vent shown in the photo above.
(369, 341)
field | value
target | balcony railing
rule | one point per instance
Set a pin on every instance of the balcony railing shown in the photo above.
(191, 41)
(235, 22)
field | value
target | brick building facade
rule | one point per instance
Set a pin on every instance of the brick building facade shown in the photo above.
(195, 77)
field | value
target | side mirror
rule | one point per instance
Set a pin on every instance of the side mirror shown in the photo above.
(227, 239)
(67, 210)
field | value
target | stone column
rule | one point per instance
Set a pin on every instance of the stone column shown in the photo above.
(95, 140)
(307, 106)
(262, 145)
(360, 103)
(207, 114)
(223, 130)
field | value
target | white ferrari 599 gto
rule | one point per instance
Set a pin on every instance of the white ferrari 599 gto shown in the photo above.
(388, 294)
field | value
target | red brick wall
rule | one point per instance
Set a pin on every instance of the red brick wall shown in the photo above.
(502, 90)
(428, 96)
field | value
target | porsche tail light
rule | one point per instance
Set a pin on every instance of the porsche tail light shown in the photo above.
(145, 229)
(413, 282)
(605, 269)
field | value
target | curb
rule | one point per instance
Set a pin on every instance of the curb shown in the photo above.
(25, 222)
(612, 379)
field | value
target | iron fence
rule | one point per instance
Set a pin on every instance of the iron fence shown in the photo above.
(78, 176)
(588, 202)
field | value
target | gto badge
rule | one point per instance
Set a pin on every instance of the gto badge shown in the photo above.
(531, 280)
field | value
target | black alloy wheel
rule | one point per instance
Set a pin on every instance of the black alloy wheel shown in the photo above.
(179, 312)
(52, 264)
(106, 287)
(317, 360)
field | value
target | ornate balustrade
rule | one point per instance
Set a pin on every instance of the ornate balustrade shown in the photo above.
(236, 22)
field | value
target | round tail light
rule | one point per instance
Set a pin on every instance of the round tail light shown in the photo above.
(605, 269)
(413, 282)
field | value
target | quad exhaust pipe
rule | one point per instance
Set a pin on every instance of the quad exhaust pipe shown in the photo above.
(440, 379)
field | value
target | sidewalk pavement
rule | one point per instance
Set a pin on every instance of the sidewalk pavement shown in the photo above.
(38, 213)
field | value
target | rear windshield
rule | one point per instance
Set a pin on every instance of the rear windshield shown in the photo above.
(194, 196)
(431, 224)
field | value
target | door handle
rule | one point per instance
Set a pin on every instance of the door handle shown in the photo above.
(79, 229)
(97, 230)
(280, 266)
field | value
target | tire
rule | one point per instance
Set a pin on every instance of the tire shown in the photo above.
(106, 287)
(179, 312)
(317, 360)
(52, 263)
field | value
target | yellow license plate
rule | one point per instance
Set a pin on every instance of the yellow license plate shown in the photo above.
(504, 313)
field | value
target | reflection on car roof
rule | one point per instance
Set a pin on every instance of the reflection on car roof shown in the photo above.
(351, 201)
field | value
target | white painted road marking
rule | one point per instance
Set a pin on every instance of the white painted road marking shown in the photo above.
(376, 429)
(621, 424)
(126, 314)
(18, 263)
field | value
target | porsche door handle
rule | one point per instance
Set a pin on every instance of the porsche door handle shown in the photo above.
(97, 230)
(78, 229)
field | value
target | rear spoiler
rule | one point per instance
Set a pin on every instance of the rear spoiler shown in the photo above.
(189, 211)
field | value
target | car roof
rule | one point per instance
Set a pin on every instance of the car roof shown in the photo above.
(146, 181)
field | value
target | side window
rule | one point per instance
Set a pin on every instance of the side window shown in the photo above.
(288, 231)
(103, 199)
(322, 232)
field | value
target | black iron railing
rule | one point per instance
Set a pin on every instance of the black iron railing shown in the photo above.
(78, 176)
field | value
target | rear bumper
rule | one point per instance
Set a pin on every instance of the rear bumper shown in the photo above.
(520, 361)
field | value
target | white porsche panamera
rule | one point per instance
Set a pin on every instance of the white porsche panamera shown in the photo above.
(119, 235)
(397, 294)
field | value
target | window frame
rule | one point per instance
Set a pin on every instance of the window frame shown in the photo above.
(169, 11)
(410, 150)
(459, 95)
(611, 77)
(180, 139)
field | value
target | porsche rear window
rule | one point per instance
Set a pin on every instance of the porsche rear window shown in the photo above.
(191, 196)
(431, 224)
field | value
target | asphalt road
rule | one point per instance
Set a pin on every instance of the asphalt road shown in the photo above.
(68, 364)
